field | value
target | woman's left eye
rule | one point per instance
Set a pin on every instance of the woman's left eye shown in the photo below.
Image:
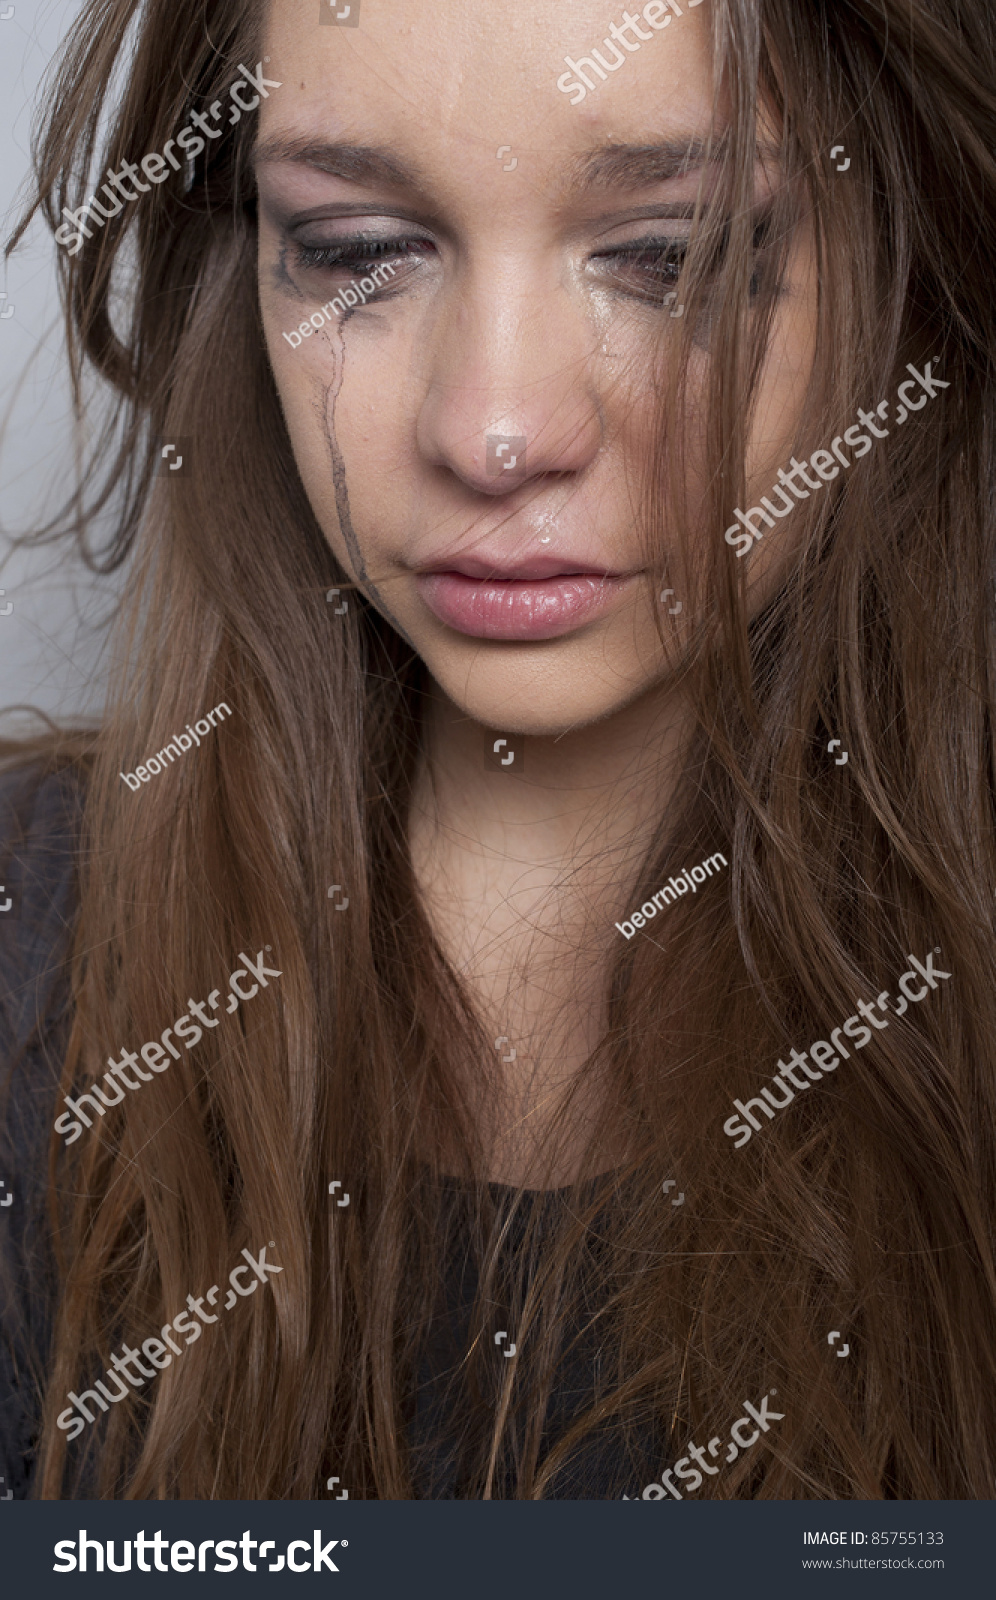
(648, 268)
(356, 255)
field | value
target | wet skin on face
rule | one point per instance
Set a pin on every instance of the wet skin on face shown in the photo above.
(522, 305)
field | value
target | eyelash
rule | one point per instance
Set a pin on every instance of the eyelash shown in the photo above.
(355, 252)
(662, 261)
(659, 260)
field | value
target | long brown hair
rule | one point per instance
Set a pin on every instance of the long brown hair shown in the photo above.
(870, 1207)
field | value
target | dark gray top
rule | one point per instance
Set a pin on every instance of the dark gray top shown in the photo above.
(39, 830)
(39, 826)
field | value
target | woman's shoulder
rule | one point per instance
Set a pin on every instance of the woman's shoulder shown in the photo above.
(40, 815)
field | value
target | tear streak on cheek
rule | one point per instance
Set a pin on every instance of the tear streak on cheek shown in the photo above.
(341, 490)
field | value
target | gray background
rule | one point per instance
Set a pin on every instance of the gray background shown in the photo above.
(51, 644)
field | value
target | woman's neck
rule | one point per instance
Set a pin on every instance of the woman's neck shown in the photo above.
(524, 870)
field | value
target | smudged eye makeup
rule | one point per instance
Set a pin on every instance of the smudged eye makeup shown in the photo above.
(645, 269)
(649, 268)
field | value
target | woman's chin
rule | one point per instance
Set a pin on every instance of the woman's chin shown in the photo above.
(536, 700)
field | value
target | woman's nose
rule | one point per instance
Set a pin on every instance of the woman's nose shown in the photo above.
(511, 393)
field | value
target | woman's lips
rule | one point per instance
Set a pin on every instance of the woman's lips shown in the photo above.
(518, 608)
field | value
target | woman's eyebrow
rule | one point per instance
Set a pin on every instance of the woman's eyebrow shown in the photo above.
(619, 166)
(358, 162)
(634, 166)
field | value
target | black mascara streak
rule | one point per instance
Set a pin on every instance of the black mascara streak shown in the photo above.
(338, 465)
(280, 277)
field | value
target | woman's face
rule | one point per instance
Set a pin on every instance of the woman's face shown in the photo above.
(473, 425)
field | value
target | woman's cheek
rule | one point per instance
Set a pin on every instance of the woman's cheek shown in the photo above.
(303, 389)
(327, 419)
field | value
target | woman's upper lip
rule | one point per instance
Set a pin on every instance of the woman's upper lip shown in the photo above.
(526, 569)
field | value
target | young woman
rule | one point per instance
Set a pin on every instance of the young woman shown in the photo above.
(595, 614)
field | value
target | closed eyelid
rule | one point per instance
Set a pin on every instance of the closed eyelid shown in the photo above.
(286, 208)
(334, 258)
(656, 242)
(304, 236)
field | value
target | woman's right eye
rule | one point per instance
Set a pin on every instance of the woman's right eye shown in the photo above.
(647, 268)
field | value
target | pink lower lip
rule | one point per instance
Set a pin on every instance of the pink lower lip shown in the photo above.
(489, 608)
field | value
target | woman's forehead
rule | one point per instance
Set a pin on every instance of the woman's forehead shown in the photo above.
(422, 75)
